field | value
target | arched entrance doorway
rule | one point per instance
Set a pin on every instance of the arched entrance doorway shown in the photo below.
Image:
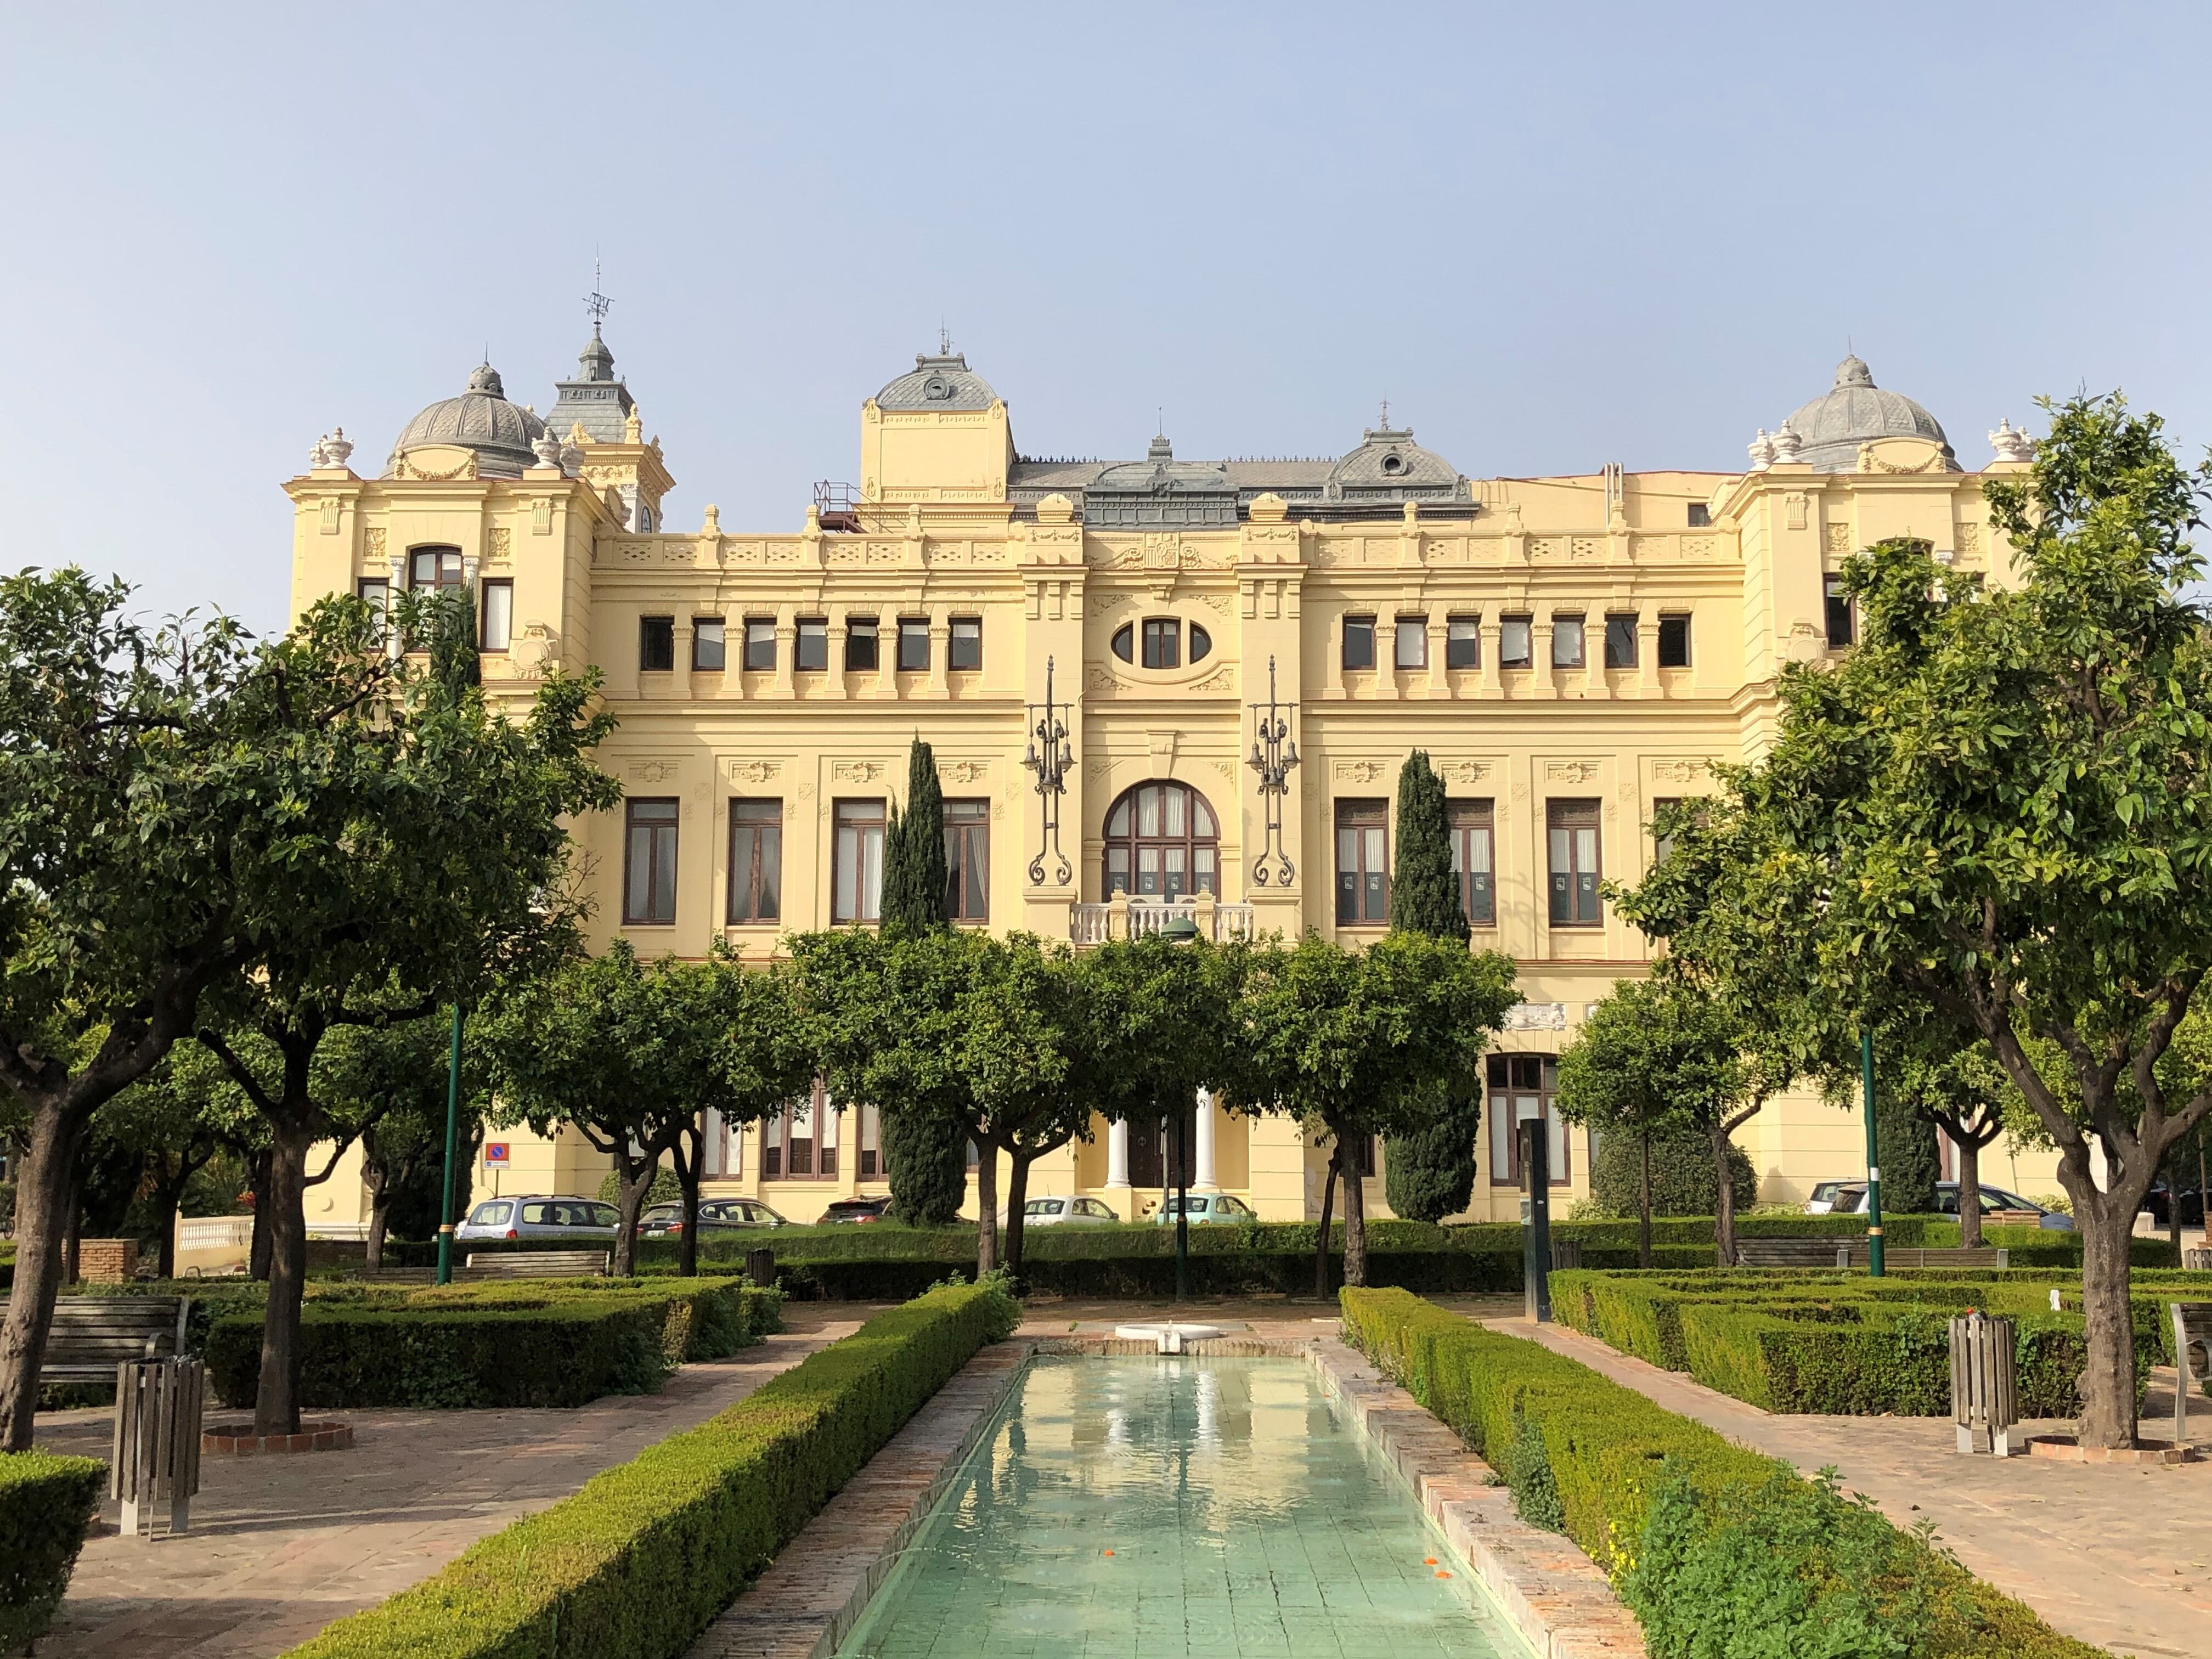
(1163, 843)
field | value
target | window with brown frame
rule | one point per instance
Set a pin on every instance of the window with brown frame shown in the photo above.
(1514, 649)
(1620, 639)
(649, 857)
(963, 647)
(1359, 641)
(1573, 826)
(913, 644)
(755, 861)
(1841, 631)
(1463, 643)
(1675, 641)
(968, 860)
(1473, 850)
(759, 645)
(1567, 642)
(1662, 845)
(1162, 842)
(1410, 642)
(495, 617)
(863, 643)
(1521, 1091)
(656, 645)
(434, 568)
(856, 874)
(870, 1151)
(1362, 868)
(788, 1141)
(375, 592)
(809, 652)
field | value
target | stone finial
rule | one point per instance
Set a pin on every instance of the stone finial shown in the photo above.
(572, 447)
(1761, 450)
(331, 449)
(712, 524)
(632, 427)
(2011, 444)
(1786, 443)
(547, 449)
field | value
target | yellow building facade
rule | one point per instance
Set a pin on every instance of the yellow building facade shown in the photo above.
(1570, 651)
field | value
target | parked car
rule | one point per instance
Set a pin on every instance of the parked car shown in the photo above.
(2192, 1205)
(541, 1218)
(1824, 1196)
(854, 1211)
(715, 1214)
(1206, 1207)
(1997, 1206)
(1064, 1212)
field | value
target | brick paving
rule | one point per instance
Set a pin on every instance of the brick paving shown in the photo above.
(279, 1546)
(2116, 1556)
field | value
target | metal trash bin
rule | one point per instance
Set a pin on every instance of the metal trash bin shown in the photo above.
(1982, 1392)
(158, 1405)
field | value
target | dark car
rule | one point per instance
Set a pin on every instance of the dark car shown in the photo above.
(715, 1214)
(854, 1211)
(1997, 1206)
(2192, 1205)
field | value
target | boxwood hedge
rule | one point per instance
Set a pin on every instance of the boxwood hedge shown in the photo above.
(46, 1506)
(636, 1564)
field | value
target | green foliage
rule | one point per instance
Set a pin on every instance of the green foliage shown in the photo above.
(1667, 1506)
(1910, 1163)
(47, 1506)
(1424, 890)
(664, 1189)
(1429, 1173)
(1683, 1179)
(916, 877)
(1529, 1476)
(635, 1564)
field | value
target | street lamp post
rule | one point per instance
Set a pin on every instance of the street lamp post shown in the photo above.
(1050, 757)
(1874, 1156)
(1182, 930)
(1275, 753)
(453, 1142)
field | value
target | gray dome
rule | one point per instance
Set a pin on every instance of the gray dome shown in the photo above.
(1855, 411)
(481, 419)
(938, 383)
(1389, 458)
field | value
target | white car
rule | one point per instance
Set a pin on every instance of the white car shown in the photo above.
(1206, 1207)
(1064, 1212)
(1823, 1199)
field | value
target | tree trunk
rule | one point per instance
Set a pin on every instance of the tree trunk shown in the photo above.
(1723, 1200)
(1970, 1193)
(986, 1206)
(687, 1177)
(258, 1185)
(2108, 1378)
(2174, 1203)
(72, 1236)
(276, 1406)
(1355, 1219)
(45, 1190)
(1321, 1248)
(634, 1180)
(1018, 1194)
(380, 1217)
(1644, 1213)
(168, 1197)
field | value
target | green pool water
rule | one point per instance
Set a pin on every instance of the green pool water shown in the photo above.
(1159, 1507)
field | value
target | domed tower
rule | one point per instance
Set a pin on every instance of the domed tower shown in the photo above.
(938, 433)
(1853, 411)
(595, 399)
(497, 433)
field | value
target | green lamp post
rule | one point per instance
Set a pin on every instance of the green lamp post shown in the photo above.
(452, 1145)
(1874, 1156)
(1182, 930)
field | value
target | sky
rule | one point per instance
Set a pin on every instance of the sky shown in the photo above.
(1551, 236)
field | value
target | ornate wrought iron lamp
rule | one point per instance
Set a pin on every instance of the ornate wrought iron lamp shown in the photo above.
(1275, 752)
(1049, 757)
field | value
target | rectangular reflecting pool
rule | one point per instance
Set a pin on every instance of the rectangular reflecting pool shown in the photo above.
(1159, 1507)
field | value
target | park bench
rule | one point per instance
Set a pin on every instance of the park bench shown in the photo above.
(92, 1334)
(2192, 1328)
(1792, 1253)
(1914, 1256)
(538, 1264)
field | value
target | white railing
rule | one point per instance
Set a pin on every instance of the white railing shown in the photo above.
(1094, 924)
(1087, 923)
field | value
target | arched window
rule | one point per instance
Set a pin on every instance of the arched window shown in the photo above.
(431, 567)
(1162, 842)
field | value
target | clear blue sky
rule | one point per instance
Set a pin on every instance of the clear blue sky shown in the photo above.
(1553, 236)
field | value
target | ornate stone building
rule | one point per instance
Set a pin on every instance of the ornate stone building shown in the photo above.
(1570, 650)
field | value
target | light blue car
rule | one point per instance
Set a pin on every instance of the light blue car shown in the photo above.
(1206, 1207)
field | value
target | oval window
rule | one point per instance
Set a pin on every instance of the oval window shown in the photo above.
(1201, 641)
(1125, 642)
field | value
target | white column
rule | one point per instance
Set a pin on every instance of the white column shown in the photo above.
(1205, 1182)
(714, 1155)
(1117, 1154)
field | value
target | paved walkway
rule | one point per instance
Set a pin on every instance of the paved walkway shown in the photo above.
(279, 1546)
(2116, 1556)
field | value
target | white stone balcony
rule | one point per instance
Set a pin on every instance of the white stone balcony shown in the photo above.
(1123, 917)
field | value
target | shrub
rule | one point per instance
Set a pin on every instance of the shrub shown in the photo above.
(635, 1564)
(664, 1189)
(1722, 1553)
(46, 1506)
(1681, 1176)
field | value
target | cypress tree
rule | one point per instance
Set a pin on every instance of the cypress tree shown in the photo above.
(914, 851)
(1430, 1174)
(1909, 1163)
(926, 1157)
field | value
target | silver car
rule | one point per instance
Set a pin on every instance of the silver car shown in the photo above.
(541, 1218)
(1206, 1207)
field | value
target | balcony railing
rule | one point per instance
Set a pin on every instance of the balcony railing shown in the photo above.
(1123, 917)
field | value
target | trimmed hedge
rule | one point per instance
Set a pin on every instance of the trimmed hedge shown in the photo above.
(1717, 1551)
(1830, 1341)
(47, 1504)
(513, 1344)
(636, 1564)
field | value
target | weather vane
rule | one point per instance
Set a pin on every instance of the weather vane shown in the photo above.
(944, 339)
(596, 302)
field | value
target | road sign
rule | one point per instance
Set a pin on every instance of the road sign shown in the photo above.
(495, 1151)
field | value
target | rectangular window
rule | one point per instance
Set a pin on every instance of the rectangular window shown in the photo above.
(656, 645)
(376, 594)
(759, 645)
(495, 627)
(1359, 641)
(968, 860)
(1514, 650)
(871, 1152)
(913, 644)
(964, 652)
(710, 645)
(1573, 826)
(1463, 643)
(788, 1142)
(1473, 845)
(1566, 642)
(1163, 642)
(1840, 632)
(856, 874)
(1662, 845)
(1521, 1090)
(1362, 890)
(649, 864)
(810, 651)
(860, 653)
(1673, 641)
(755, 860)
(1411, 650)
(1620, 639)
(1700, 515)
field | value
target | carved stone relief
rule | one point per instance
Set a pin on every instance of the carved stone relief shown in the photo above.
(1536, 1017)
(1677, 771)
(967, 771)
(755, 771)
(1466, 771)
(1839, 537)
(1570, 771)
(855, 771)
(654, 771)
(1357, 771)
